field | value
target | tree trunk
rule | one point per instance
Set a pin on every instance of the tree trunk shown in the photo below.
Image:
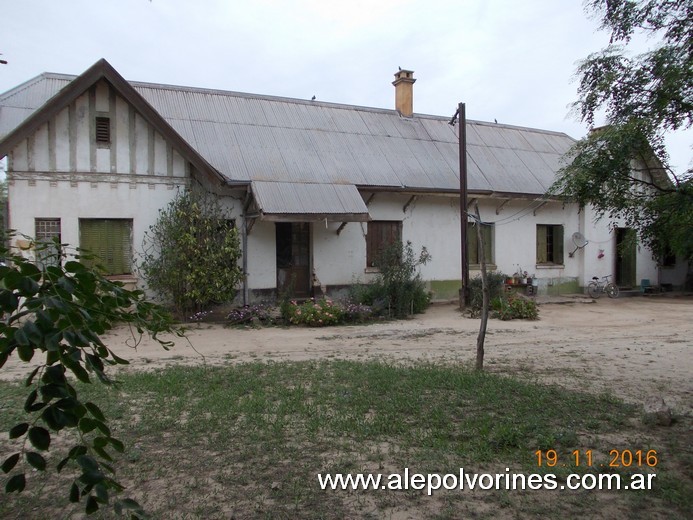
(484, 292)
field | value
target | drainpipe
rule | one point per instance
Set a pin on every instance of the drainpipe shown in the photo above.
(244, 245)
(244, 242)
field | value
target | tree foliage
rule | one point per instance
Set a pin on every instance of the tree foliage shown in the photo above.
(191, 254)
(54, 314)
(623, 169)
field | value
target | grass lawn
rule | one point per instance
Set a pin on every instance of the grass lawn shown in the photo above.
(247, 441)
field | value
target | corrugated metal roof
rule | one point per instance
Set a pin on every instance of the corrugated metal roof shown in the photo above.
(260, 138)
(291, 200)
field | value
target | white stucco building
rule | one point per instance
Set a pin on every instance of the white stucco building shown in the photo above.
(315, 188)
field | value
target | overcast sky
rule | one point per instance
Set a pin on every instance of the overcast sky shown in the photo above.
(509, 60)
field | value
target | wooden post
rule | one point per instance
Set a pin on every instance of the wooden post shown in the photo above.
(464, 257)
(485, 294)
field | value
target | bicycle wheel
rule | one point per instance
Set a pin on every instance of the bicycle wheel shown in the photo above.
(593, 290)
(611, 290)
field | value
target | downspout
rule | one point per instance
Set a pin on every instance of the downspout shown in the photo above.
(244, 245)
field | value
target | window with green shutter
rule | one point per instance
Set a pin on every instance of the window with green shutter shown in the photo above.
(473, 248)
(111, 241)
(549, 244)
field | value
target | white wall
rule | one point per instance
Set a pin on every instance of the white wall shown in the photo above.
(601, 235)
(262, 256)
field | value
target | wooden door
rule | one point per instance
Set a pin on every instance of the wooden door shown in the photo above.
(625, 257)
(293, 259)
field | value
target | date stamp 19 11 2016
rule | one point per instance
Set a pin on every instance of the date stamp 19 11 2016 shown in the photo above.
(585, 458)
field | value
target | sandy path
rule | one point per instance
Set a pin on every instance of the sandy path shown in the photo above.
(633, 347)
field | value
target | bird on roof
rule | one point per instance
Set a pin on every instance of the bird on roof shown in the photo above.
(313, 98)
(495, 121)
(400, 68)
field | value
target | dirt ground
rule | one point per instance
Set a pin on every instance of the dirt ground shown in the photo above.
(633, 347)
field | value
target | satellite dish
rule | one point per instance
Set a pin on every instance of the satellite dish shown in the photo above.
(580, 241)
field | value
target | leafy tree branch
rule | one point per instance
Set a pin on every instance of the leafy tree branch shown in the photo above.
(55, 312)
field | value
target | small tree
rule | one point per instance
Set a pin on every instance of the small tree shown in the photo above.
(399, 286)
(191, 254)
(55, 312)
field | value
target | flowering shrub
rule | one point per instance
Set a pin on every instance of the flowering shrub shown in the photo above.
(199, 316)
(314, 313)
(357, 312)
(246, 314)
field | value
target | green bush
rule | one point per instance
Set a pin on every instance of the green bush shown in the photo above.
(515, 307)
(190, 255)
(505, 306)
(495, 280)
(398, 289)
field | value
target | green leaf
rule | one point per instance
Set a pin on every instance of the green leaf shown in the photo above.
(16, 483)
(62, 464)
(117, 445)
(27, 287)
(30, 270)
(30, 379)
(40, 438)
(95, 411)
(103, 454)
(20, 338)
(25, 351)
(87, 463)
(92, 505)
(53, 391)
(33, 333)
(77, 451)
(10, 463)
(87, 424)
(92, 477)
(81, 374)
(54, 374)
(101, 493)
(19, 430)
(74, 493)
(103, 428)
(35, 460)
(74, 267)
(118, 360)
(12, 279)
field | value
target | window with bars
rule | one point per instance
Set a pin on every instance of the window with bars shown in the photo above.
(549, 244)
(46, 231)
(473, 246)
(111, 241)
(381, 235)
(103, 130)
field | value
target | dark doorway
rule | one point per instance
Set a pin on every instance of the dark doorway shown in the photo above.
(293, 259)
(625, 257)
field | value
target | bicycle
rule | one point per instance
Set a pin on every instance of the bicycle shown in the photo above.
(596, 288)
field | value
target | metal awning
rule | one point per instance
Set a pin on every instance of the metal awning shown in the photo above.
(306, 202)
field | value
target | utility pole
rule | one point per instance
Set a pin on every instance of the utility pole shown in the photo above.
(464, 257)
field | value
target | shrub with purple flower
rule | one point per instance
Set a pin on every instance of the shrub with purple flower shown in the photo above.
(357, 312)
(246, 314)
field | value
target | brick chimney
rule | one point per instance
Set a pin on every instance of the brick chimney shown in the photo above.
(404, 92)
